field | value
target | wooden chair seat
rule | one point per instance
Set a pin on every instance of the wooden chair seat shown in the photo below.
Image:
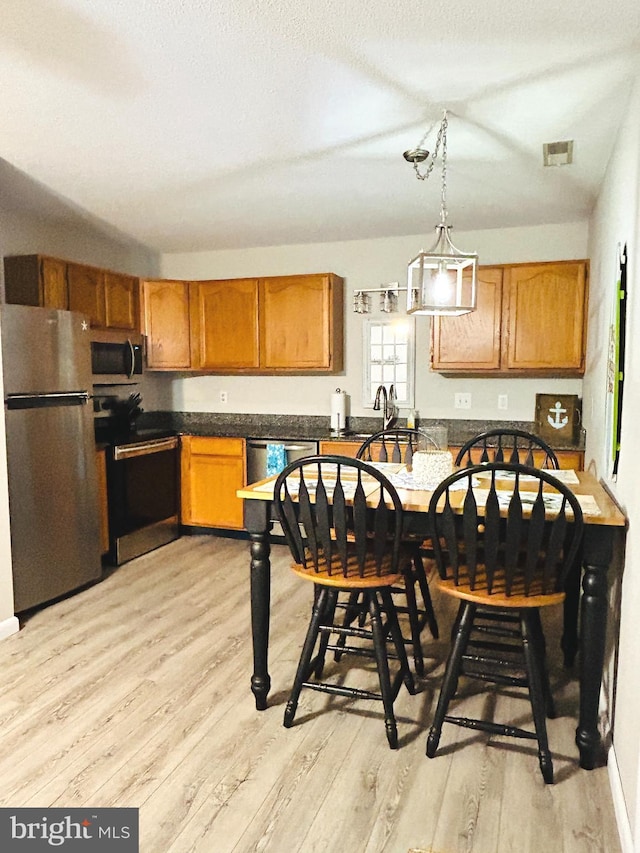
(498, 597)
(333, 574)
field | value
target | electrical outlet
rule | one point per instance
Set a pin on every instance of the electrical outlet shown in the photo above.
(462, 401)
(223, 397)
(503, 401)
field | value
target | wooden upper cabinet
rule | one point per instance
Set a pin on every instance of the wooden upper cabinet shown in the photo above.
(86, 292)
(224, 322)
(546, 306)
(530, 320)
(301, 323)
(289, 324)
(36, 280)
(472, 340)
(121, 296)
(55, 291)
(109, 299)
(166, 324)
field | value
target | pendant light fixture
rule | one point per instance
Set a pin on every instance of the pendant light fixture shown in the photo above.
(441, 281)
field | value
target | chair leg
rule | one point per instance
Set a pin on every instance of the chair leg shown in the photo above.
(414, 622)
(536, 692)
(352, 610)
(319, 606)
(379, 643)
(393, 628)
(327, 618)
(421, 577)
(464, 624)
(541, 646)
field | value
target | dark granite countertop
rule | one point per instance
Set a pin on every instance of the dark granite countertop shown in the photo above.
(314, 427)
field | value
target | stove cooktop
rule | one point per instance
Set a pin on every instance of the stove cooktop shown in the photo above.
(110, 434)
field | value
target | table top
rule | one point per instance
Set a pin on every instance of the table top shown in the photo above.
(598, 505)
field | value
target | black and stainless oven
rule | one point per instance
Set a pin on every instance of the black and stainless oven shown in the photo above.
(143, 494)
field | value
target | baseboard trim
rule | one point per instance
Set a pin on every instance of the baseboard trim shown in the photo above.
(619, 806)
(9, 626)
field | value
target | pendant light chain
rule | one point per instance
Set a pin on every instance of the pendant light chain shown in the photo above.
(442, 133)
(443, 202)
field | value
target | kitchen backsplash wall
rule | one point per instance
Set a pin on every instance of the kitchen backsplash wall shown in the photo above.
(367, 263)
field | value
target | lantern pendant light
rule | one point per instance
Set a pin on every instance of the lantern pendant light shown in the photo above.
(441, 281)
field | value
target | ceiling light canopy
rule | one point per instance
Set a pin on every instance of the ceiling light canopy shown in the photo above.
(441, 281)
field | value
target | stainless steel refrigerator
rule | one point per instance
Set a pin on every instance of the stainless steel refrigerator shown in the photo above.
(53, 489)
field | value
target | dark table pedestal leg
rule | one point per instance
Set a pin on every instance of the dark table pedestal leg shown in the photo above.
(593, 625)
(257, 523)
(569, 640)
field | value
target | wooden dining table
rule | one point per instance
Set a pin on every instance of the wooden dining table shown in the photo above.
(604, 520)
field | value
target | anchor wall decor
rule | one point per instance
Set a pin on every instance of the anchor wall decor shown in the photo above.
(558, 418)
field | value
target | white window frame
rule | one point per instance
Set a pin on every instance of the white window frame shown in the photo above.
(386, 371)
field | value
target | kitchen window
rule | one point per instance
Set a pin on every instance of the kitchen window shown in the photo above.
(389, 358)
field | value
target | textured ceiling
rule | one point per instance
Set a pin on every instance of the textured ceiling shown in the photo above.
(190, 125)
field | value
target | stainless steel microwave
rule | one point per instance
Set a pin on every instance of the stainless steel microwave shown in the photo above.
(116, 357)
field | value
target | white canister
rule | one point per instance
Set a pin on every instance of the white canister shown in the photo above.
(430, 467)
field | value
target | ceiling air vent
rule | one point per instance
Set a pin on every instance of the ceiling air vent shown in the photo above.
(557, 153)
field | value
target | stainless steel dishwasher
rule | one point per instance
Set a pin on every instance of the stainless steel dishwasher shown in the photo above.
(257, 451)
(257, 454)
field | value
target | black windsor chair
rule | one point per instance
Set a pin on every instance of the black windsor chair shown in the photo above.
(507, 445)
(505, 559)
(342, 520)
(399, 445)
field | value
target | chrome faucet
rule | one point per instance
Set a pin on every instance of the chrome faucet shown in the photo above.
(388, 406)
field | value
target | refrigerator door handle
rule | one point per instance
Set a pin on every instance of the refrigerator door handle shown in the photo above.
(41, 401)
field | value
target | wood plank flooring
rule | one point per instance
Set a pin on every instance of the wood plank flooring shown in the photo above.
(135, 692)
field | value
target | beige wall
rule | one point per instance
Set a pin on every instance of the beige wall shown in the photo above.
(616, 221)
(372, 263)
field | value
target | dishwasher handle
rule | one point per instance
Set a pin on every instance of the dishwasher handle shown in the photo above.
(262, 445)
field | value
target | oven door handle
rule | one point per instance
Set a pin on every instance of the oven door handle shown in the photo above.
(143, 448)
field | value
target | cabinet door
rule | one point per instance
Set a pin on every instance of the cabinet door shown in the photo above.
(121, 301)
(472, 341)
(53, 279)
(166, 324)
(36, 280)
(224, 323)
(212, 469)
(301, 323)
(86, 292)
(340, 448)
(546, 306)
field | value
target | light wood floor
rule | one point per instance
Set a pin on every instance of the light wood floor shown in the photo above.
(135, 692)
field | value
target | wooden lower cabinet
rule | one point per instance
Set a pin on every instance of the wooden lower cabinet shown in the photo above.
(568, 459)
(101, 465)
(340, 448)
(212, 469)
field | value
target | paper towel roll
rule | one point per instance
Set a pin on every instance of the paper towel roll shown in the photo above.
(338, 410)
